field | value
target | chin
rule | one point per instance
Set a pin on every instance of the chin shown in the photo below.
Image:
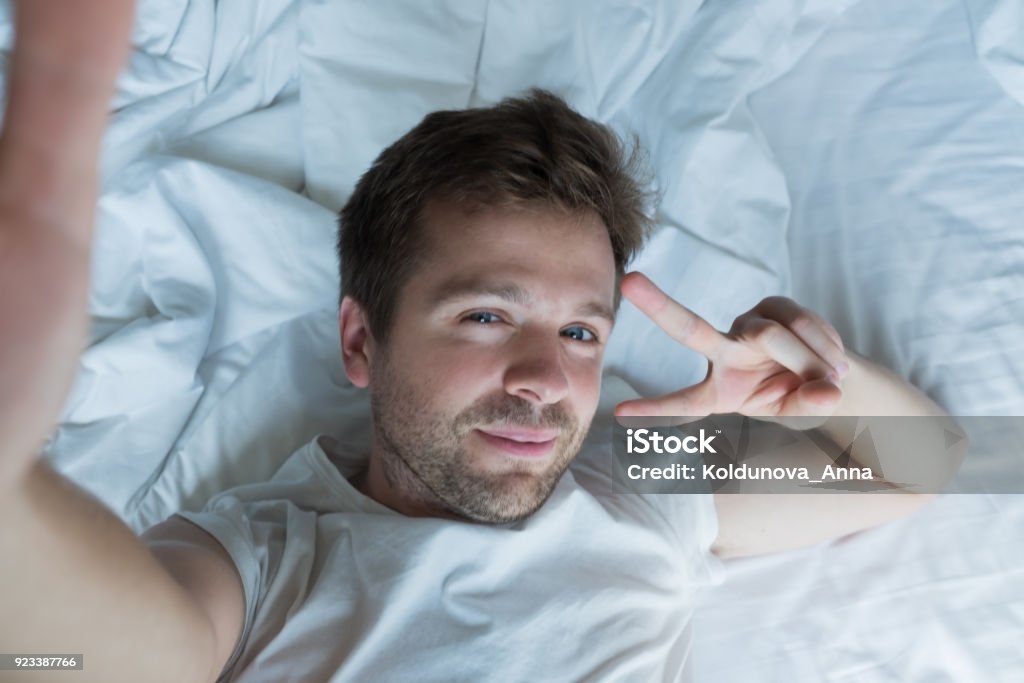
(509, 497)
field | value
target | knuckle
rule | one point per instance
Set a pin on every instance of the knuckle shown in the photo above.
(777, 303)
(688, 327)
(767, 331)
(802, 324)
(838, 337)
(740, 323)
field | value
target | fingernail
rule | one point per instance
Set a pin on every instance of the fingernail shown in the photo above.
(843, 368)
(832, 377)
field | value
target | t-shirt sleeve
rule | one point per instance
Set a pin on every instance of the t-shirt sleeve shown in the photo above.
(270, 530)
(225, 519)
(689, 518)
(271, 539)
(263, 537)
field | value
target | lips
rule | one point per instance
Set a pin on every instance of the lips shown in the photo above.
(521, 442)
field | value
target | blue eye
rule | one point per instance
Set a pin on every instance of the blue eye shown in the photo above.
(579, 334)
(481, 317)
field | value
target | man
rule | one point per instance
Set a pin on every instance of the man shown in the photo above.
(482, 259)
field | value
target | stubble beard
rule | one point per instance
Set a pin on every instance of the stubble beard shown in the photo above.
(425, 460)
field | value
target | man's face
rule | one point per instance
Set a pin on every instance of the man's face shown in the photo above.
(492, 372)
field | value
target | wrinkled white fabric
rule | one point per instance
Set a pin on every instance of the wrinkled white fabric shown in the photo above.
(862, 156)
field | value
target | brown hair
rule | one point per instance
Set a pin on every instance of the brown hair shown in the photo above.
(530, 150)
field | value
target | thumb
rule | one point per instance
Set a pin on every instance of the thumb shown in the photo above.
(811, 405)
(693, 401)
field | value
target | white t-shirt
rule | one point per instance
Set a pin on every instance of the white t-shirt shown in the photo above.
(595, 586)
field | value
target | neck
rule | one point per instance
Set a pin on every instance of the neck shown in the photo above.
(398, 488)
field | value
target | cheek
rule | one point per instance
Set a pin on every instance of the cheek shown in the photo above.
(587, 391)
(460, 375)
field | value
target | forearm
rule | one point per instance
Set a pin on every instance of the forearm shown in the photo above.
(59, 82)
(77, 580)
(65, 58)
(907, 443)
(871, 389)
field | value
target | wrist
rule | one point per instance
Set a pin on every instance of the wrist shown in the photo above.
(872, 389)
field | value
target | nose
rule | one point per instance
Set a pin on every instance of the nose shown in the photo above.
(535, 372)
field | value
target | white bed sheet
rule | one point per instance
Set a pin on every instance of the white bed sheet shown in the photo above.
(813, 149)
(903, 154)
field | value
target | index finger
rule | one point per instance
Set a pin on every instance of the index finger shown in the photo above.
(682, 324)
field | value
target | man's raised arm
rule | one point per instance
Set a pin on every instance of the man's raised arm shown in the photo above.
(755, 523)
(783, 363)
(73, 578)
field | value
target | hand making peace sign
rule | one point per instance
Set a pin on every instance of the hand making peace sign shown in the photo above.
(778, 359)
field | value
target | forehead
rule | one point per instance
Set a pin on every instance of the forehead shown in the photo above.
(538, 247)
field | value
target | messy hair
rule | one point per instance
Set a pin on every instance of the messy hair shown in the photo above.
(524, 151)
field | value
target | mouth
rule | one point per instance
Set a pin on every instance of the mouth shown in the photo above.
(521, 442)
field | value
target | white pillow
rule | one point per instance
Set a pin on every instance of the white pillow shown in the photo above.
(904, 161)
(676, 73)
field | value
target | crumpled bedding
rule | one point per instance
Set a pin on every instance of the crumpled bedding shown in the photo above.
(863, 157)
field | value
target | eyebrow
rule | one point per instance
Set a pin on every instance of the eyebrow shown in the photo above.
(454, 290)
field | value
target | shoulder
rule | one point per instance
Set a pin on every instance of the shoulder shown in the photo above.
(202, 566)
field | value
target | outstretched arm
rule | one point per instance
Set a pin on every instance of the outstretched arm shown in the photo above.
(65, 58)
(76, 580)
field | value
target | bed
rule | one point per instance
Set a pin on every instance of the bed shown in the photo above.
(863, 157)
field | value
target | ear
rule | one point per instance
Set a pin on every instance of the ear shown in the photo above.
(356, 342)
